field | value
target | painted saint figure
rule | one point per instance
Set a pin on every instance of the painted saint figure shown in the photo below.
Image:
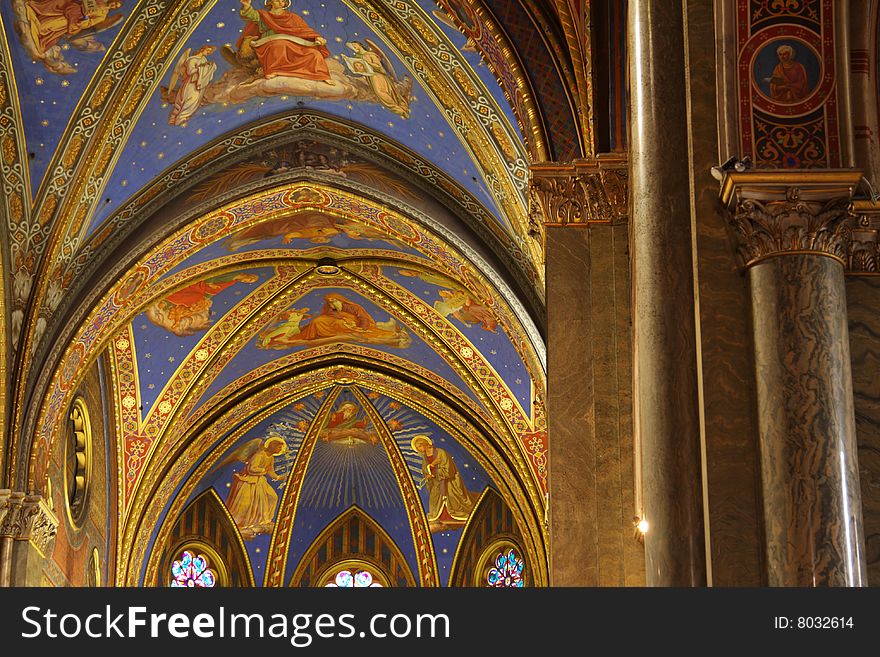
(344, 319)
(186, 90)
(316, 227)
(252, 499)
(462, 306)
(456, 302)
(188, 310)
(283, 329)
(449, 501)
(789, 80)
(283, 43)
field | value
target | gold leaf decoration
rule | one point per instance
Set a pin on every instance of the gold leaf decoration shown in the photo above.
(207, 156)
(8, 148)
(133, 101)
(133, 38)
(48, 209)
(464, 82)
(269, 129)
(73, 149)
(16, 208)
(102, 92)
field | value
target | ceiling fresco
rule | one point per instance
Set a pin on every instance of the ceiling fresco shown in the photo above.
(171, 327)
(340, 447)
(194, 343)
(56, 46)
(317, 309)
(239, 65)
(329, 315)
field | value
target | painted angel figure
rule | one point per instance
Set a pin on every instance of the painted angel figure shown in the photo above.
(189, 80)
(370, 62)
(252, 499)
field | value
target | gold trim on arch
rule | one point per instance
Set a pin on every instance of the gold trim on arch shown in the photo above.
(140, 299)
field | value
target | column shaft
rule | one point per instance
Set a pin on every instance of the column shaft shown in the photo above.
(809, 462)
(666, 383)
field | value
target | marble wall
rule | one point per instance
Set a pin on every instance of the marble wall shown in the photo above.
(727, 364)
(592, 538)
(863, 300)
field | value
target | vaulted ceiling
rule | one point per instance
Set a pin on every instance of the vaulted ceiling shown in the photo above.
(190, 208)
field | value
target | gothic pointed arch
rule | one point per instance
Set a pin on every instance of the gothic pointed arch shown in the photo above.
(350, 540)
(205, 527)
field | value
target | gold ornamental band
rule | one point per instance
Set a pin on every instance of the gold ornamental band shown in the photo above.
(777, 254)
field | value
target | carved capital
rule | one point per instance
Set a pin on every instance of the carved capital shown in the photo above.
(864, 249)
(578, 193)
(27, 518)
(791, 212)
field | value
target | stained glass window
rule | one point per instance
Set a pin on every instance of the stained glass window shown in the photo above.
(353, 579)
(192, 570)
(507, 572)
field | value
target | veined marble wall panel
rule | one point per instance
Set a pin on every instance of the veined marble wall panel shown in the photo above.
(863, 300)
(728, 384)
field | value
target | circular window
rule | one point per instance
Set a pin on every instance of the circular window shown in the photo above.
(77, 462)
(501, 566)
(197, 565)
(353, 579)
(192, 570)
(353, 574)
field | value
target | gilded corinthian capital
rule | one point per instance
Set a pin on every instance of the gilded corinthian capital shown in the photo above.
(788, 212)
(579, 192)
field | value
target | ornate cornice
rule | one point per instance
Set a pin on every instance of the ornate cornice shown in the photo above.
(577, 193)
(791, 212)
(27, 518)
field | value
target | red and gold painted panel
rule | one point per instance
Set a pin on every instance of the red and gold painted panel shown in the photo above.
(786, 78)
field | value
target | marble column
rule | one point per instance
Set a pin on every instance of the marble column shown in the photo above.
(794, 235)
(582, 207)
(665, 341)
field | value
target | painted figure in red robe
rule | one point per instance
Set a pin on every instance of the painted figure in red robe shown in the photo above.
(789, 80)
(283, 42)
(188, 310)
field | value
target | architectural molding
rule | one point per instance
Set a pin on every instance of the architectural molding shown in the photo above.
(26, 517)
(577, 193)
(791, 212)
